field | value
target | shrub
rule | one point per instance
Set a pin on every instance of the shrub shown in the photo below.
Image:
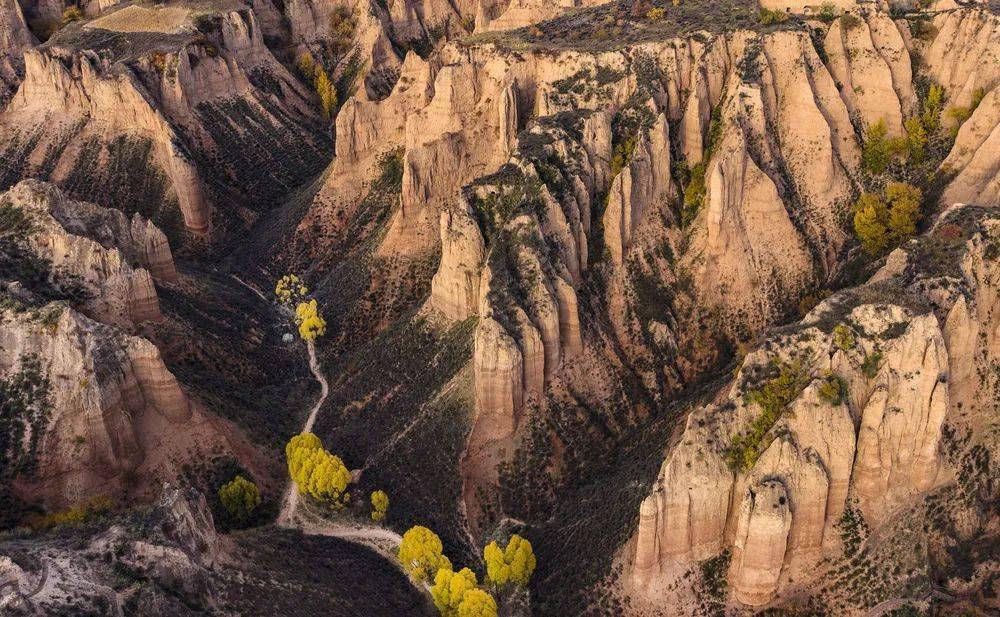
(843, 337)
(622, 154)
(380, 506)
(656, 14)
(694, 195)
(772, 398)
(832, 389)
(420, 554)
(828, 12)
(769, 17)
(871, 364)
(81, 513)
(342, 26)
(240, 498)
(71, 14)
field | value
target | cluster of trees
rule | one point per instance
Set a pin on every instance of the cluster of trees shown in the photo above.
(315, 74)
(460, 594)
(311, 323)
(240, 497)
(291, 290)
(317, 473)
(883, 221)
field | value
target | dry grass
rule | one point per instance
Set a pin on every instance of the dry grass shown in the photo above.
(166, 20)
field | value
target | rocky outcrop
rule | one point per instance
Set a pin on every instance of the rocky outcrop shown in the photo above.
(15, 39)
(161, 107)
(495, 16)
(112, 401)
(101, 249)
(974, 155)
(871, 64)
(868, 425)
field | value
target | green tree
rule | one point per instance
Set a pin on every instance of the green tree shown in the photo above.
(477, 603)
(512, 565)
(876, 151)
(420, 554)
(240, 498)
(380, 505)
(326, 91)
(904, 210)
(871, 223)
(916, 139)
(931, 116)
(449, 589)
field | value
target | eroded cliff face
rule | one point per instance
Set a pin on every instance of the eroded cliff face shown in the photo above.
(15, 38)
(870, 382)
(109, 254)
(162, 108)
(541, 171)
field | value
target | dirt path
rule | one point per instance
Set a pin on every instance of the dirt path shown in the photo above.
(380, 539)
(291, 499)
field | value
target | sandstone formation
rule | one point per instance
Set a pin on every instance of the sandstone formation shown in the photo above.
(879, 441)
(111, 256)
(90, 109)
(15, 38)
(112, 402)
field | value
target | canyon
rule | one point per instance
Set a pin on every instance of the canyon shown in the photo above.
(595, 273)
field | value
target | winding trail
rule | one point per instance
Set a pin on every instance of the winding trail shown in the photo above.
(291, 499)
(382, 540)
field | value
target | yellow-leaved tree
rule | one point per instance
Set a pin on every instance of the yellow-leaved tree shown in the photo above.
(477, 603)
(513, 565)
(449, 589)
(240, 498)
(290, 289)
(380, 505)
(311, 323)
(316, 472)
(420, 554)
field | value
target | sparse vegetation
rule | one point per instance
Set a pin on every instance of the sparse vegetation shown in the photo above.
(832, 389)
(772, 398)
(290, 289)
(871, 364)
(769, 17)
(96, 507)
(884, 221)
(843, 337)
(71, 14)
(24, 411)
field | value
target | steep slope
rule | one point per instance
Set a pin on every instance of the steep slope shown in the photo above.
(112, 97)
(848, 417)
